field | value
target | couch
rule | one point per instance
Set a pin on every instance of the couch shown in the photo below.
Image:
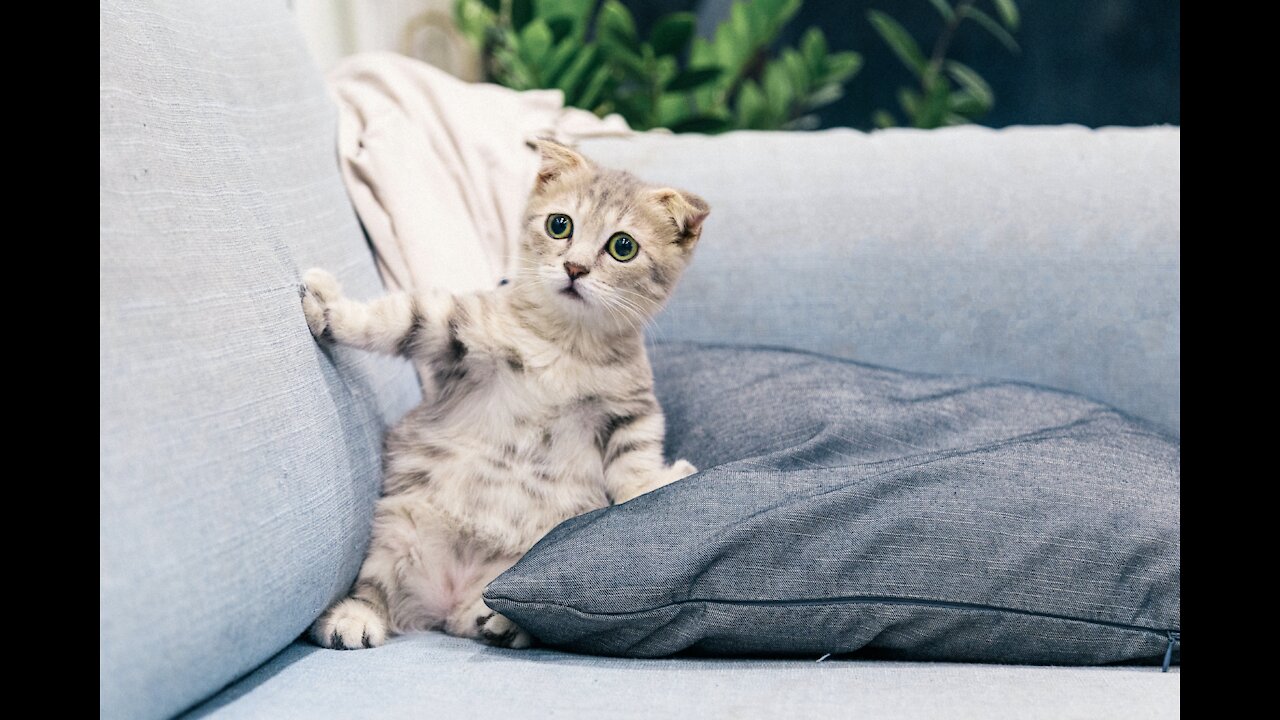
(239, 459)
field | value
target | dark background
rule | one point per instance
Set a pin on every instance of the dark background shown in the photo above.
(1092, 62)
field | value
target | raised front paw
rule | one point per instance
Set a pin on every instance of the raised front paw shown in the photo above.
(320, 289)
(350, 625)
(499, 631)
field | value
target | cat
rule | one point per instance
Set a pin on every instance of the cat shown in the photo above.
(543, 404)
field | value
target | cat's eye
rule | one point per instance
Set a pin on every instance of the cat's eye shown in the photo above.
(622, 247)
(559, 226)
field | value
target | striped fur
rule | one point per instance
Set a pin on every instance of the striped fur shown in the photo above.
(543, 404)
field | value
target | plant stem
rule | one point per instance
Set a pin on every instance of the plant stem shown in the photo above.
(944, 42)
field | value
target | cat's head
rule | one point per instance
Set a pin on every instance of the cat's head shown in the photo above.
(601, 246)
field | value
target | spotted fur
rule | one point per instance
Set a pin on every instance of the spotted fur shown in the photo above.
(543, 405)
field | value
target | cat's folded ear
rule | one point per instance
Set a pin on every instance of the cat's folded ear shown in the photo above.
(688, 210)
(557, 161)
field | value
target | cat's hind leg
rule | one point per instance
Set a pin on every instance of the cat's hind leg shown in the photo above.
(358, 621)
(475, 620)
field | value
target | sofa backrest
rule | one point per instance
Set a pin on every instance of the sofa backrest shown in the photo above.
(239, 461)
(1043, 254)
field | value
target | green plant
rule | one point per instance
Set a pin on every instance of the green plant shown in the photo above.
(593, 53)
(950, 93)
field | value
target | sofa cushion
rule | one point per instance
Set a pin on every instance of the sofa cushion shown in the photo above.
(1043, 254)
(844, 507)
(239, 461)
(433, 675)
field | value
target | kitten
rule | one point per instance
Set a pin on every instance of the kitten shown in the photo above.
(543, 404)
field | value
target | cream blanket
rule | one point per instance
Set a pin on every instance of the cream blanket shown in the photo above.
(438, 168)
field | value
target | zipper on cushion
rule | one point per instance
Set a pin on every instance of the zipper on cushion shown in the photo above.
(1174, 638)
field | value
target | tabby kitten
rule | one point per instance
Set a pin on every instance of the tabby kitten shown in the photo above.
(542, 406)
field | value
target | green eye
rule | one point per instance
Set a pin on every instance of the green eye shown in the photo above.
(559, 226)
(622, 247)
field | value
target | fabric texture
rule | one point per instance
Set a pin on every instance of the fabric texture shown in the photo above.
(1043, 254)
(439, 169)
(433, 675)
(844, 507)
(239, 460)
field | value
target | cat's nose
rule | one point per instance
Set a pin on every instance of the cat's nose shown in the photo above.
(575, 270)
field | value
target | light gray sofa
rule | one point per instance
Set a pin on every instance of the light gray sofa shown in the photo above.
(239, 459)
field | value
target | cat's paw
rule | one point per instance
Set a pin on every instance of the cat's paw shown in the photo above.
(350, 625)
(499, 631)
(320, 289)
(681, 469)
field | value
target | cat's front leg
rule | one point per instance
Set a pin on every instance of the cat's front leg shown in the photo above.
(632, 455)
(648, 480)
(396, 324)
(358, 621)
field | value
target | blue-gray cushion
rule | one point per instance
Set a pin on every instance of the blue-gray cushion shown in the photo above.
(844, 507)
(1043, 254)
(239, 461)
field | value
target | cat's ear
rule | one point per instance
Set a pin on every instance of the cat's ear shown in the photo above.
(557, 160)
(687, 209)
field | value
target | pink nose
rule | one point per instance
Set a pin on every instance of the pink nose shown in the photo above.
(575, 270)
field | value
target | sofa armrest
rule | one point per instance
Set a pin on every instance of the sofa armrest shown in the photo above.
(1043, 254)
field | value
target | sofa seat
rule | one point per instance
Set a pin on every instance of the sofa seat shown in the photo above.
(434, 675)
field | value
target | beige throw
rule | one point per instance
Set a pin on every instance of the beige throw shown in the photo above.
(438, 168)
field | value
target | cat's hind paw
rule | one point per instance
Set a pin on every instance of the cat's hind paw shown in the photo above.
(499, 631)
(350, 625)
(320, 289)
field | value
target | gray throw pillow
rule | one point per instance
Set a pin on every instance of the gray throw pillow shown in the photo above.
(842, 507)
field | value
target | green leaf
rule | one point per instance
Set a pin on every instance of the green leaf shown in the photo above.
(591, 93)
(623, 55)
(694, 78)
(824, 95)
(814, 47)
(771, 15)
(702, 124)
(535, 43)
(965, 104)
(751, 105)
(777, 92)
(671, 35)
(474, 20)
(615, 19)
(934, 108)
(883, 119)
(944, 9)
(573, 79)
(1008, 12)
(672, 108)
(972, 82)
(521, 13)
(728, 49)
(740, 23)
(797, 70)
(842, 66)
(899, 40)
(910, 102)
(558, 61)
(576, 11)
(562, 26)
(993, 27)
